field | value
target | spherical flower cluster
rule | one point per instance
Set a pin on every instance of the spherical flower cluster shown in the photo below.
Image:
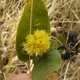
(37, 43)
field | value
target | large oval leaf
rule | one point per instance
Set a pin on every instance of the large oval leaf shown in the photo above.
(49, 62)
(34, 17)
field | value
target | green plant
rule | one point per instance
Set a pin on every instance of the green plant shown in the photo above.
(34, 25)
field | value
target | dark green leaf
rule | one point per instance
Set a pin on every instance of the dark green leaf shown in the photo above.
(34, 17)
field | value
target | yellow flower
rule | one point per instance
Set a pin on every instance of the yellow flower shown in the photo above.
(37, 43)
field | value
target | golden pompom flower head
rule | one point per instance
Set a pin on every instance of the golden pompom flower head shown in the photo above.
(37, 43)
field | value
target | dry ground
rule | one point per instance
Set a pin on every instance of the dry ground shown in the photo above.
(63, 15)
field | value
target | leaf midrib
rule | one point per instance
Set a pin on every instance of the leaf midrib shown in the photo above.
(31, 16)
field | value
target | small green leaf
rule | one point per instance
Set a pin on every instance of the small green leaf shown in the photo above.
(46, 64)
(34, 17)
(62, 39)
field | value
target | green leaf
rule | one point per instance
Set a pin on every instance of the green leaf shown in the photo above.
(34, 17)
(46, 64)
(62, 39)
